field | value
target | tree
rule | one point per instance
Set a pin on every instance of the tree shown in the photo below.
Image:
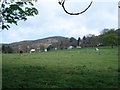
(110, 38)
(42, 48)
(118, 33)
(9, 49)
(73, 42)
(104, 31)
(61, 45)
(6, 49)
(92, 40)
(12, 12)
(84, 39)
(78, 42)
(50, 47)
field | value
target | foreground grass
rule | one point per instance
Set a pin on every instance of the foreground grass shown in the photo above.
(80, 68)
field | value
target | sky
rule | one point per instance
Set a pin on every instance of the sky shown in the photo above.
(53, 21)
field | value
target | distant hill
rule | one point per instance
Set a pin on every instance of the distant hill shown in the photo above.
(53, 42)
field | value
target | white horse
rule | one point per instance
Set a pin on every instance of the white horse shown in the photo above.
(96, 49)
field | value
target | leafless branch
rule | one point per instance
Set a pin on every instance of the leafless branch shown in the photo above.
(70, 13)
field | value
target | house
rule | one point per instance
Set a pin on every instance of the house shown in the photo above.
(78, 47)
(70, 47)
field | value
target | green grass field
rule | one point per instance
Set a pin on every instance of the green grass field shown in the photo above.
(77, 68)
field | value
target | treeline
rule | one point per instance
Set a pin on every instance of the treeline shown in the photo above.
(108, 37)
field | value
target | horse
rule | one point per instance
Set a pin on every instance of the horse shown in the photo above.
(21, 52)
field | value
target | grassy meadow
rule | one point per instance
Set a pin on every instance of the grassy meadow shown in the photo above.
(76, 68)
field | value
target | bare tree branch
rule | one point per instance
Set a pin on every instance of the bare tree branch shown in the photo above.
(70, 13)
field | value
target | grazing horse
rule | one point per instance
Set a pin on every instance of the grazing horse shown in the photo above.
(97, 49)
(21, 52)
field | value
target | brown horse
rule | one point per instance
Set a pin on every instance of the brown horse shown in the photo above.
(21, 52)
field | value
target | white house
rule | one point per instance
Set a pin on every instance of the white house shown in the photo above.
(78, 47)
(55, 48)
(70, 47)
(32, 50)
(45, 50)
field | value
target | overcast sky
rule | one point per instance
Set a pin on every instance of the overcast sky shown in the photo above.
(53, 21)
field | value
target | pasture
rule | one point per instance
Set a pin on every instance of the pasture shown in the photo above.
(76, 68)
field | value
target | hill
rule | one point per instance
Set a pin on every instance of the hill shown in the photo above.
(51, 42)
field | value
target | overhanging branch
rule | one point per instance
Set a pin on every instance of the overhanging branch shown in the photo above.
(70, 13)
